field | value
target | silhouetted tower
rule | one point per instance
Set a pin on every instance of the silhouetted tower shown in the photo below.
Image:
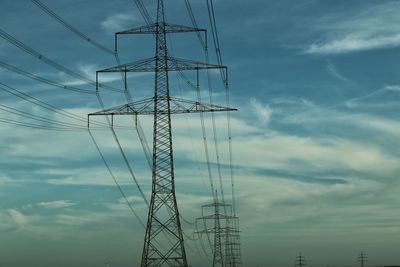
(218, 258)
(300, 261)
(233, 243)
(221, 230)
(163, 242)
(362, 258)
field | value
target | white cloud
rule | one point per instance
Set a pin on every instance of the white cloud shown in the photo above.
(73, 219)
(392, 88)
(262, 112)
(5, 180)
(285, 203)
(117, 22)
(354, 102)
(104, 181)
(382, 125)
(371, 28)
(12, 219)
(351, 43)
(58, 204)
(89, 71)
(302, 154)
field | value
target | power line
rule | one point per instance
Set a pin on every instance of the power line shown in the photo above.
(38, 126)
(143, 11)
(44, 80)
(214, 30)
(145, 147)
(189, 9)
(224, 76)
(123, 153)
(141, 7)
(71, 28)
(163, 201)
(210, 92)
(115, 180)
(55, 124)
(41, 103)
(96, 44)
(9, 38)
(38, 118)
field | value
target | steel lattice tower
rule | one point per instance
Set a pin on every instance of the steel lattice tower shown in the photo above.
(362, 258)
(163, 242)
(163, 212)
(220, 232)
(218, 259)
(300, 261)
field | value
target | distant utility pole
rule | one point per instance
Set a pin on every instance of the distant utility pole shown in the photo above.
(362, 258)
(300, 261)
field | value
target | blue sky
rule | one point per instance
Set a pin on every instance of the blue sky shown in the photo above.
(315, 138)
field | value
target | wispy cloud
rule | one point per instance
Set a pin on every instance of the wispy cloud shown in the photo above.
(395, 88)
(56, 204)
(117, 22)
(372, 28)
(352, 43)
(5, 180)
(382, 97)
(12, 219)
(261, 111)
(87, 70)
(332, 70)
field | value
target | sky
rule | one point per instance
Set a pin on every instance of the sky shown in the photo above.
(315, 137)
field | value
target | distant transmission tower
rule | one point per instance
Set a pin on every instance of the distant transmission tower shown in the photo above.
(220, 232)
(163, 243)
(300, 261)
(233, 243)
(362, 258)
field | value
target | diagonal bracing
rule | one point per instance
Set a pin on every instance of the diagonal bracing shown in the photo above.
(163, 242)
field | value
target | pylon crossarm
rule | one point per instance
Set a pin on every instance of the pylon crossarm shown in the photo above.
(174, 64)
(169, 28)
(179, 64)
(177, 106)
(223, 230)
(143, 65)
(214, 216)
(216, 204)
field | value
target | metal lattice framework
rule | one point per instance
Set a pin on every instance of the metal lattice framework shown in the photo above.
(300, 261)
(176, 106)
(163, 242)
(173, 63)
(221, 230)
(362, 258)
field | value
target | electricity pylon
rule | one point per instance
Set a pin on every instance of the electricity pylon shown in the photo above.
(233, 245)
(362, 258)
(300, 261)
(219, 232)
(163, 242)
